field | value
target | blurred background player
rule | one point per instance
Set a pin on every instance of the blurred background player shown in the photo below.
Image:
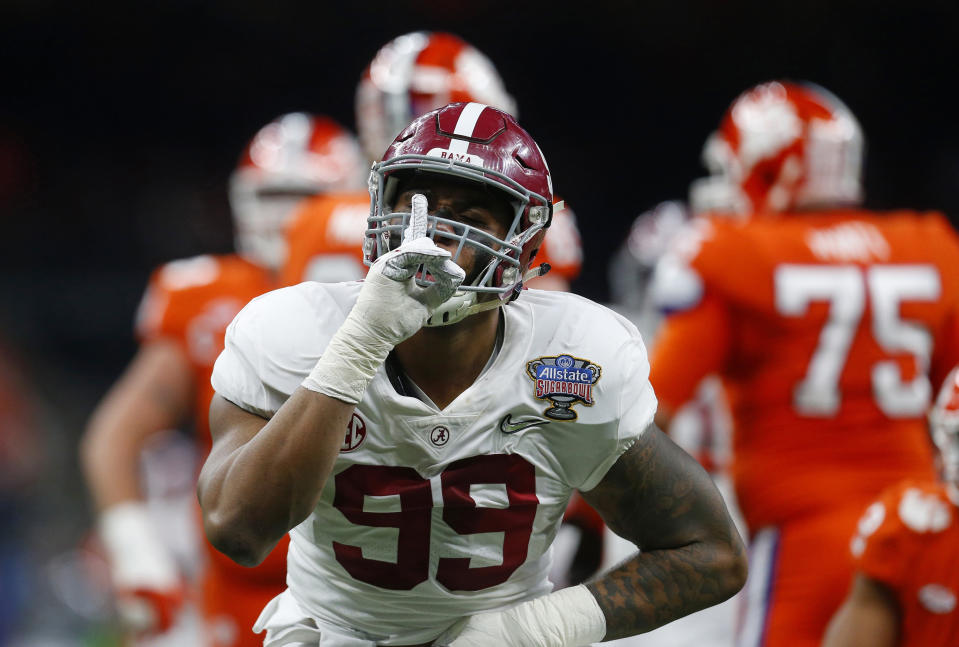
(702, 425)
(828, 325)
(906, 552)
(409, 76)
(630, 270)
(181, 324)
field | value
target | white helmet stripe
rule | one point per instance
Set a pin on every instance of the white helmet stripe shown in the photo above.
(465, 126)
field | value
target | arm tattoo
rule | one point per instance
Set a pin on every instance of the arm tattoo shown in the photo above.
(691, 555)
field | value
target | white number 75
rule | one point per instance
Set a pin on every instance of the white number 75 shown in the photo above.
(846, 288)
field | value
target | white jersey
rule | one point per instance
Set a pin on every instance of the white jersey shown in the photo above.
(429, 515)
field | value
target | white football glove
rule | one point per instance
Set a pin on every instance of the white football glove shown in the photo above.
(390, 308)
(147, 583)
(567, 618)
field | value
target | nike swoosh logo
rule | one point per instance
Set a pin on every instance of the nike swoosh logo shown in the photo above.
(508, 426)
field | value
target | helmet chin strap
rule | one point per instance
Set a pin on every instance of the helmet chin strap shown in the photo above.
(459, 306)
(463, 304)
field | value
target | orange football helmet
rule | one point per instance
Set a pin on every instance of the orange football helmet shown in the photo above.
(418, 72)
(292, 157)
(780, 146)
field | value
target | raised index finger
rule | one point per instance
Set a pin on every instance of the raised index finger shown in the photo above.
(418, 219)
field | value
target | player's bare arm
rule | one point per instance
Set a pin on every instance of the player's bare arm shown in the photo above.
(263, 477)
(691, 555)
(868, 617)
(154, 394)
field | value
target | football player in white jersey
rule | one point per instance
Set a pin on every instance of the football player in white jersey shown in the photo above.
(419, 433)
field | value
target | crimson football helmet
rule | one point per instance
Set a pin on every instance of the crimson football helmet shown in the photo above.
(418, 72)
(944, 425)
(292, 157)
(782, 146)
(481, 144)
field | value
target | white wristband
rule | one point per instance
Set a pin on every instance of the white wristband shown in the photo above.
(346, 367)
(137, 556)
(568, 618)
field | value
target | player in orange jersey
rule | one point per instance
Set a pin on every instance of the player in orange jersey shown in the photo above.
(829, 326)
(325, 239)
(906, 551)
(411, 75)
(181, 325)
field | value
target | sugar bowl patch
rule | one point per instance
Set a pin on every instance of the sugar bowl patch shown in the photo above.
(564, 380)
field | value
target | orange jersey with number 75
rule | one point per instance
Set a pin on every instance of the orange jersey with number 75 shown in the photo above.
(830, 330)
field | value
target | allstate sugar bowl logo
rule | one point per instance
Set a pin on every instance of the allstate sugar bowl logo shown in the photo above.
(564, 380)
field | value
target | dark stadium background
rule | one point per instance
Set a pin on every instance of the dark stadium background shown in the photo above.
(120, 122)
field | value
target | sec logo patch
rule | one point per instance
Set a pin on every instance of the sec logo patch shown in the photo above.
(355, 434)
